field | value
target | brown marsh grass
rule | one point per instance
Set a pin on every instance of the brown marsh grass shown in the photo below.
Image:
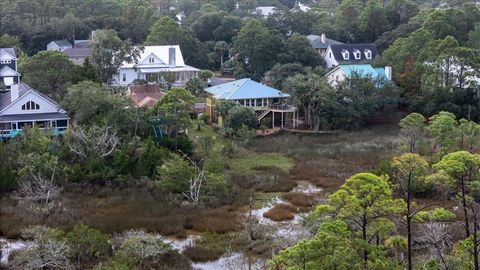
(281, 212)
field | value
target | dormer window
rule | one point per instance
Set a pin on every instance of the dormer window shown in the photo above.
(30, 106)
(330, 55)
(346, 55)
(6, 61)
(151, 60)
(356, 54)
(368, 54)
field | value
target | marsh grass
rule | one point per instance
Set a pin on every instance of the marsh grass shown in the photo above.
(281, 212)
(301, 199)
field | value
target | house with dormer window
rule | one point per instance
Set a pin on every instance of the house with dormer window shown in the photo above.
(23, 106)
(8, 67)
(337, 54)
(153, 61)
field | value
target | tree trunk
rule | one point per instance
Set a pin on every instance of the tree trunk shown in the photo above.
(364, 237)
(221, 64)
(475, 240)
(464, 205)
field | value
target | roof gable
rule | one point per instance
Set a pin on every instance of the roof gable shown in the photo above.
(244, 89)
(8, 72)
(161, 52)
(146, 60)
(62, 43)
(7, 54)
(25, 91)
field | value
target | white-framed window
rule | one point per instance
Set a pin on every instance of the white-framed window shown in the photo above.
(356, 54)
(30, 106)
(151, 60)
(6, 61)
(368, 54)
(346, 55)
(124, 77)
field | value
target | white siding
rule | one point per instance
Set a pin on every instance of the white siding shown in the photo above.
(16, 108)
(335, 77)
(330, 58)
(130, 76)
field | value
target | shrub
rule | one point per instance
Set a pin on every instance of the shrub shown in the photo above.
(217, 220)
(300, 199)
(175, 174)
(140, 247)
(437, 214)
(202, 254)
(183, 143)
(280, 212)
(87, 242)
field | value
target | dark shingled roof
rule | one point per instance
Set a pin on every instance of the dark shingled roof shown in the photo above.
(338, 48)
(316, 42)
(78, 52)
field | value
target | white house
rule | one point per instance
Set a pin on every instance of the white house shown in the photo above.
(59, 45)
(152, 62)
(8, 67)
(349, 53)
(344, 72)
(23, 106)
(265, 11)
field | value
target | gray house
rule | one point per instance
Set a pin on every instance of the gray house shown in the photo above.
(59, 45)
(8, 67)
(321, 43)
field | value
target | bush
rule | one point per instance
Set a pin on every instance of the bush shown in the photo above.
(203, 254)
(87, 242)
(280, 212)
(175, 174)
(183, 143)
(437, 215)
(300, 199)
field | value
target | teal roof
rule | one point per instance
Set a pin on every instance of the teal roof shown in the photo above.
(244, 89)
(363, 70)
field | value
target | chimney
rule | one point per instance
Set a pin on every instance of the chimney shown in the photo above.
(14, 92)
(323, 38)
(388, 72)
(171, 56)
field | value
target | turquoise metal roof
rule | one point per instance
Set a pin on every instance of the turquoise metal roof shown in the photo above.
(363, 70)
(244, 89)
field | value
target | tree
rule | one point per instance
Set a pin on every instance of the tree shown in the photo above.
(195, 86)
(257, 48)
(109, 52)
(239, 116)
(443, 128)
(169, 78)
(413, 129)
(165, 32)
(175, 174)
(409, 171)
(8, 41)
(87, 242)
(174, 108)
(372, 20)
(139, 247)
(276, 76)
(461, 168)
(299, 50)
(50, 72)
(205, 74)
(363, 202)
(93, 142)
(474, 37)
(221, 47)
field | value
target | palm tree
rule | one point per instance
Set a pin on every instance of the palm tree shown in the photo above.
(221, 47)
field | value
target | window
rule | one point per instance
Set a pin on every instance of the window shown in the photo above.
(368, 54)
(6, 61)
(356, 54)
(330, 55)
(124, 77)
(151, 60)
(346, 55)
(30, 106)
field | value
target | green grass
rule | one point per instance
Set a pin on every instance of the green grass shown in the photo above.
(204, 131)
(200, 99)
(251, 160)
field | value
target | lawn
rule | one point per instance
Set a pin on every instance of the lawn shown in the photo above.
(204, 131)
(249, 161)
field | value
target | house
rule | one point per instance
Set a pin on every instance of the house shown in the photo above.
(8, 67)
(345, 72)
(23, 106)
(59, 45)
(145, 95)
(152, 62)
(265, 11)
(78, 55)
(321, 43)
(349, 53)
(264, 100)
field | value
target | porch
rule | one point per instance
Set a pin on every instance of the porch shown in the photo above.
(283, 115)
(12, 125)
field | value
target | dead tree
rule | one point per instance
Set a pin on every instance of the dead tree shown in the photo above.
(101, 141)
